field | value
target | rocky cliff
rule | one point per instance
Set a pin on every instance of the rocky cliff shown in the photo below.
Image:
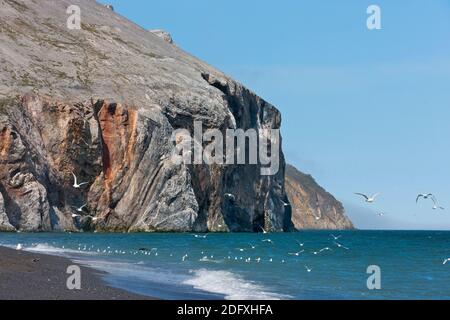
(312, 206)
(102, 103)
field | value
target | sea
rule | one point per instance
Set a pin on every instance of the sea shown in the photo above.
(308, 265)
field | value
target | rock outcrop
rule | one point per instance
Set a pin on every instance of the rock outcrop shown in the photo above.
(102, 103)
(313, 207)
(163, 35)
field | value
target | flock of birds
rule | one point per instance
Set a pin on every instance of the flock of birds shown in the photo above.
(81, 210)
(421, 196)
(232, 256)
(367, 198)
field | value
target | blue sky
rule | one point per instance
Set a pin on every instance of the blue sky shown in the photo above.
(363, 111)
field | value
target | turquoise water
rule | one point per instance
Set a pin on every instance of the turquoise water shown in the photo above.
(216, 268)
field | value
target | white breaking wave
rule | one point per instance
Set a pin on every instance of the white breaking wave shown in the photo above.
(48, 249)
(134, 270)
(232, 286)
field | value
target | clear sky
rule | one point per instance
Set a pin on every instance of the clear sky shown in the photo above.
(363, 111)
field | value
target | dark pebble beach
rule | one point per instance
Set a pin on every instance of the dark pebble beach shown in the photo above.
(32, 276)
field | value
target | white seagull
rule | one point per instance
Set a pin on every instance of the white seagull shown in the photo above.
(77, 185)
(308, 269)
(445, 261)
(268, 240)
(322, 250)
(263, 230)
(368, 199)
(436, 204)
(341, 246)
(80, 209)
(19, 247)
(200, 237)
(381, 214)
(335, 238)
(425, 196)
(296, 253)
(300, 244)
(75, 216)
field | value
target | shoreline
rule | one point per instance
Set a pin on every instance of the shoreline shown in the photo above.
(36, 276)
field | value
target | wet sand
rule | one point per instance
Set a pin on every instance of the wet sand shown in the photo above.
(33, 276)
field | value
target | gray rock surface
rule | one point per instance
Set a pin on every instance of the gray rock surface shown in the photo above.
(312, 206)
(163, 35)
(4, 220)
(102, 103)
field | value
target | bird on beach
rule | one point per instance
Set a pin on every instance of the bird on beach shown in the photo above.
(296, 253)
(369, 199)
(308, 269)
(341, 246)
(19, 247)
(77, 185)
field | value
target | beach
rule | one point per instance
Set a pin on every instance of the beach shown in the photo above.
(32, 276)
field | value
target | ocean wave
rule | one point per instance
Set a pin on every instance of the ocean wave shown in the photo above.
(52, 250)
(232, 286)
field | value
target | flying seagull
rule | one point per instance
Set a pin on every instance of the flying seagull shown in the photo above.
(77, 185)
(296, 253)
(75, 216)
(322, 250)
(308, 269)
(368, 199)
(425, 196)
(200, 237)
(436, 205)
(446, 260)
(300, 244)
(263, 230)
(80, 209)
(341, 246)
(268, 240)
(381, 214)
(335, 238)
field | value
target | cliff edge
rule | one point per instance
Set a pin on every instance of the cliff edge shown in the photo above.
(102, 103)
(312, 207)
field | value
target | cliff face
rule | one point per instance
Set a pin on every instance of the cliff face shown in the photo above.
(102, 103)
(312, 206)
